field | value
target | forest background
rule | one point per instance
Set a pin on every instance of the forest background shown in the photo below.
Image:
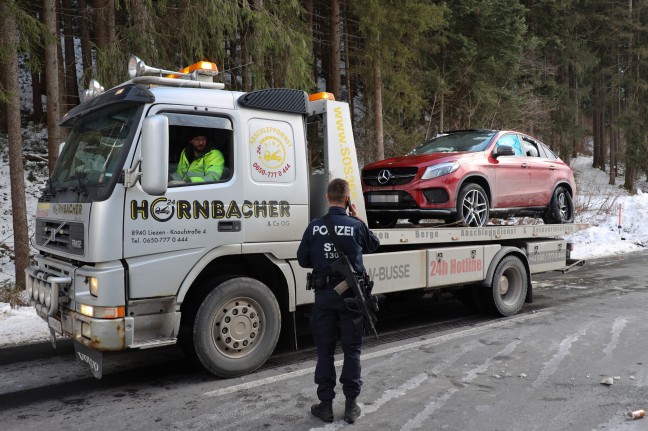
(569, 72)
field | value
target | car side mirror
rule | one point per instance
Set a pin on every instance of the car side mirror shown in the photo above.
(503, 150)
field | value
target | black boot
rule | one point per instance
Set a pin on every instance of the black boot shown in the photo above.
(351, 410)
(323, 410)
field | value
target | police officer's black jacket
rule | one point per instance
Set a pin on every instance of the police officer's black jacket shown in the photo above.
(317, 251)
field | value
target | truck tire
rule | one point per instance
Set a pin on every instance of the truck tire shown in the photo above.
(561, 207)
(472, 206)
(508, 290)
(236, 327)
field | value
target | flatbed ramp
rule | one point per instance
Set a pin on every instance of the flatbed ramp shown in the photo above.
(446, 235)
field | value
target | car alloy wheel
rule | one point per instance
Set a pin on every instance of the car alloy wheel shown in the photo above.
(472, 206)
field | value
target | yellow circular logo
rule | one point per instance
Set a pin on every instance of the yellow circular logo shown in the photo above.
(271, 152)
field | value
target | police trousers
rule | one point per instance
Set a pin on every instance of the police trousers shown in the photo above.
(328, 311)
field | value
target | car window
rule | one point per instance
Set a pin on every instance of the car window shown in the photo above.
(531, 148)
(468, 140)
(548, 153)
(211, 162)
(511, 140)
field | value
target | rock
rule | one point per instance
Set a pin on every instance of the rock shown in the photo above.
(607, 381)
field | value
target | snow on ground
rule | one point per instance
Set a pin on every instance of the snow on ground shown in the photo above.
(597, 203)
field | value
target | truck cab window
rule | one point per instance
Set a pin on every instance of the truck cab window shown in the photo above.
(199, 155)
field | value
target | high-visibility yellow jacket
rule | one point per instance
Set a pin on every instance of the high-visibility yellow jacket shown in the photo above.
(206, 167)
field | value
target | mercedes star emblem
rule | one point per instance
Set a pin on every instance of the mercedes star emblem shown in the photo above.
(384, 176)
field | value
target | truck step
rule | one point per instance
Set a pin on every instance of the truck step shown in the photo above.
(153, 342)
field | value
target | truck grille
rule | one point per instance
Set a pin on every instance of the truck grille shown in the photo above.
(62, 236)
(389, 177)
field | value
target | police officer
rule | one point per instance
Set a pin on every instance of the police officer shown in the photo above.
(317, 251)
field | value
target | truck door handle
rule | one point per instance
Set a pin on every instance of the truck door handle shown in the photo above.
(229, 226)
(524, 165)
(552, 167)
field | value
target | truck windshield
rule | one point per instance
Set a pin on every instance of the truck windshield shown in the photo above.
(92, 156)
(469, 140)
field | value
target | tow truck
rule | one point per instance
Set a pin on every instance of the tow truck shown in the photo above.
(131, 258)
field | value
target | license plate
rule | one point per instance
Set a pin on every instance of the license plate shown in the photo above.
(55, 324)
(383, 198)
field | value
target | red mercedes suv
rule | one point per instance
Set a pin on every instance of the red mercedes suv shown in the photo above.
(464, 177)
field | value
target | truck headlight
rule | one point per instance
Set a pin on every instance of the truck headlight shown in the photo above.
(86, 310)
(86, 330)
(35, 289)
(29, 282)
(48, 295)
(41, 291)
(94, 286)
(435, 171)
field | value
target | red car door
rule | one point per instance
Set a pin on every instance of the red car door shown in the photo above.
(542, 172)
(511, 175)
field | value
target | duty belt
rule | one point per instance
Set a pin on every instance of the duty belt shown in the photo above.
(326, 281)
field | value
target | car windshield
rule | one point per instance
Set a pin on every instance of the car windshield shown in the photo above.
(470, 140)
(90, 158)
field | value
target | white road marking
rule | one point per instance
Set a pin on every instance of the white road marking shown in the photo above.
(422, 416)
(551, 366)
(617, 328)
(428, 342)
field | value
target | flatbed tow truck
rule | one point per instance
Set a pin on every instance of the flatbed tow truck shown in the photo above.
(131, 258)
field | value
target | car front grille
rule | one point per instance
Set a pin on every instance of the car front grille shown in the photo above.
(389, 177)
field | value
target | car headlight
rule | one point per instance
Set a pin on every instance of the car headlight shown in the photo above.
(435, 171)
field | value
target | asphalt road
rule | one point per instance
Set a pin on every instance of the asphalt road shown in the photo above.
(539, 370)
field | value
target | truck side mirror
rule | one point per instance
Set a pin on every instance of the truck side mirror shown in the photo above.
(155, 155)
(503, 150)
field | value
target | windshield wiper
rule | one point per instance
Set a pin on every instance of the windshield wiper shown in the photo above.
(49, 188)
(80, 187)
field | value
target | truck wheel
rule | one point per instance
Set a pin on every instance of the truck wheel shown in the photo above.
(472, 206)
(561, 207)
(508, 289)
(237, 327)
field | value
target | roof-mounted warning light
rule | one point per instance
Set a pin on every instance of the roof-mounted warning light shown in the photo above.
(203, 71)
(321, 96)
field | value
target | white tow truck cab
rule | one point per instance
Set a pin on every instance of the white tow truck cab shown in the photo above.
(132, 258)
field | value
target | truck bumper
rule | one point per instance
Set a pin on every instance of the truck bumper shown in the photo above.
(50, 294)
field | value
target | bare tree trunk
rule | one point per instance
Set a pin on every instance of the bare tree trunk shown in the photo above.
(52, 84)
(378, 113)
(347, 64)
(335, 86)
(101, 22)
(9, 34)
(71, 86)
(84, 36)
(142, 23)
(310, 19)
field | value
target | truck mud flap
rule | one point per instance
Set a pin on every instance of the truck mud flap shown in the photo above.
(92, 358)
(573, 263)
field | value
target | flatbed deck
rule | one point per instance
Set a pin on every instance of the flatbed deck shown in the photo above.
(444, 235)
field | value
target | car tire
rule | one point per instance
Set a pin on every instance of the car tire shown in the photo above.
(561, 207)
(472, 206)
(236, 327)
(382, 222)
(507, 292)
